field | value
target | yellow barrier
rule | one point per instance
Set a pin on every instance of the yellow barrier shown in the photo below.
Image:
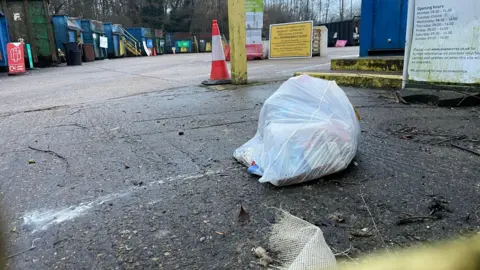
(456, 255)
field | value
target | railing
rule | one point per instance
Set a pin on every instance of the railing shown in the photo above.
(132, 44)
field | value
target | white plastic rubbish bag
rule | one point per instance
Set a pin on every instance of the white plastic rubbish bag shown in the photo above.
(307, 129)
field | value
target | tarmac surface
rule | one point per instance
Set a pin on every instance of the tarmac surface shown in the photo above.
(106, 79)
(145, 178)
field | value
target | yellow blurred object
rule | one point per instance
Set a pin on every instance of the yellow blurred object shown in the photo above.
(456, 255)
(122, 46)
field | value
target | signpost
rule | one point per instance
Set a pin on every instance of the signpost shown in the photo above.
(237, 33)
(291, 40)
(443, 38)
(16, 58)
(149, 43)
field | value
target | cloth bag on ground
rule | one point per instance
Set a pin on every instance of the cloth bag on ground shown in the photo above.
(307, 129)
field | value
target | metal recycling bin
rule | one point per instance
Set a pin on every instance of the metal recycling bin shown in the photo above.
(183, 42)
(384, 27)
(4, 39)
(114, 33)
(29, 21)
(183, 46)
(202, 45)
(141, 34)
(92, 31)
(88, 53)
(169, 43)
(203, 38)
(158, 41)
(66, 30)
(343, 30)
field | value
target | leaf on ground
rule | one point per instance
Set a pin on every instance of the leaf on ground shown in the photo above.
(243, 216)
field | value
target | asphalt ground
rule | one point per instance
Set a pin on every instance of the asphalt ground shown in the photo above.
(147, 180)
(106, 79)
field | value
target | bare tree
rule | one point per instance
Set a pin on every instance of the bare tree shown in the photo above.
(197, 15)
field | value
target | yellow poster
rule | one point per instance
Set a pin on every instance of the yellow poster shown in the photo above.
(291, 40)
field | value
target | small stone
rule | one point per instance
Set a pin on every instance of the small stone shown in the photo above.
(355, 164)
(181, 133)
(155, 259)
(167, 253)
(337, 217)
(365, 230)
(31, 161)
(202, 239)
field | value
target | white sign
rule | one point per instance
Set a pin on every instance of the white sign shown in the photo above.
(254, 22)
(254, 36)
(444, 42)
(17, 17)
(103, 42)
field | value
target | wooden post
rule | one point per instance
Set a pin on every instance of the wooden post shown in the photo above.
(238, 39)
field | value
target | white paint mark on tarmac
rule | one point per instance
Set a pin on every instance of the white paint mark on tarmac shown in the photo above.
(41, 220)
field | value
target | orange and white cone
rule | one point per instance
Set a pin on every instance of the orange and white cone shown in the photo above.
(219, 73)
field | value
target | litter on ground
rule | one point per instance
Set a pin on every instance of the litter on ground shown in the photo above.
(307, 129)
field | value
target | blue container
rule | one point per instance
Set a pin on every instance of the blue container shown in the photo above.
(141, 34)
(169, 43)
(383, 27)
(114, 33)
(92, 31)
(66, 30)
(4, 39)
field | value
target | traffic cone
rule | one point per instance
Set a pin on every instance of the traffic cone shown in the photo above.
(219, 73)
(154, 52)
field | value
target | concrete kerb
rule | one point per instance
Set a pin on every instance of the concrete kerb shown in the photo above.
(237, 87)
(216, 82)
(378, 81)
(375, 64)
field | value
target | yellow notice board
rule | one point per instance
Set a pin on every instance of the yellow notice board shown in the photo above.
(291, 40)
